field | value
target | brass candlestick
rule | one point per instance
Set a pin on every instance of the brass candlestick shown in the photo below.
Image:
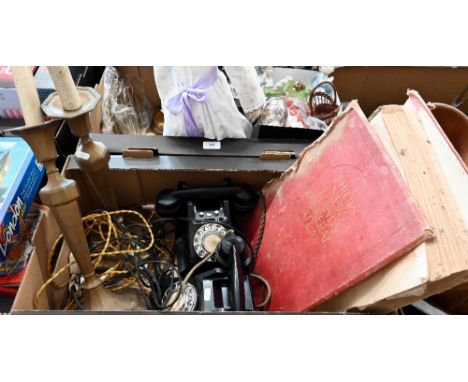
(74, 104)
(61, 195)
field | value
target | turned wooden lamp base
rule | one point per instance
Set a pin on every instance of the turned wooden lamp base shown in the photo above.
(98, 298)
(61, 196)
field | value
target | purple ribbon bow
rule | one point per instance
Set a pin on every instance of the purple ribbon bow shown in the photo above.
(182, 101)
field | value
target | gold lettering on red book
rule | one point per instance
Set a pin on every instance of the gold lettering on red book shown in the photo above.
(328, 210)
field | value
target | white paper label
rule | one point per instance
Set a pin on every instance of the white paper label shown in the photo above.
(207, 294)
(211, 145)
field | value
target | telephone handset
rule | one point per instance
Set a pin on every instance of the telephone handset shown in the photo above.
(234, 247)
(207, 217)
(243, 198)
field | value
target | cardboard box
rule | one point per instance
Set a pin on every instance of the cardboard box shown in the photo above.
(139, 179)
(374, 86)
(136, 180)
(20, 177)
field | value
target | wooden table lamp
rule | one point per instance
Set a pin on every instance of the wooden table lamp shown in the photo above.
(61, 194)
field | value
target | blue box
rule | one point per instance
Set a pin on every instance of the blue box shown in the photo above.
(20, 178)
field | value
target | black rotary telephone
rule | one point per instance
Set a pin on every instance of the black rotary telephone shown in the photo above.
(209, 226)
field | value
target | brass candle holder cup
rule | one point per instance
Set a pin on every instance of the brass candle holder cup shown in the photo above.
(92, 157)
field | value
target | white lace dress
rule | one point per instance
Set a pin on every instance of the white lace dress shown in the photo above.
(197, 100)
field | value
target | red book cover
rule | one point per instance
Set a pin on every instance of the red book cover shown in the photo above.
(339, 214)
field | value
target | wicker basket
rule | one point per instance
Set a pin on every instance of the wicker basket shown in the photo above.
(322, 105)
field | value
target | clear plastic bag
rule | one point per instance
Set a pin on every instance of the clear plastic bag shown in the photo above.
(290, 112)
(124, 110)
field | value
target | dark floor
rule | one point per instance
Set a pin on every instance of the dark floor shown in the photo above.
(5, 304)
